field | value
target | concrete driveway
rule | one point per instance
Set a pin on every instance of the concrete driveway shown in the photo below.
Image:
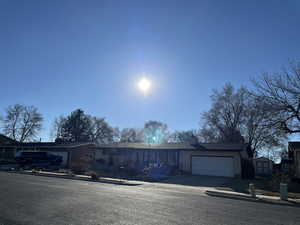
(199, 181)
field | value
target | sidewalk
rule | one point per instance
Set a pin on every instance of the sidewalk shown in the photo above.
(79, 177)
(259, 197)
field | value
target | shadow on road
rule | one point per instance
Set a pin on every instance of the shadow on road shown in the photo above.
(198, 181)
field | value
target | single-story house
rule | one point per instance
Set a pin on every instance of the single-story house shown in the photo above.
(5, 141)
(203, 159)
(294, 155)
(263, 166)
(73, 154)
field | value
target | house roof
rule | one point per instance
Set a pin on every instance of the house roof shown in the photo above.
(46, 145)
(294, 145)
(6, 140)
(263, 159)
(142, 146)
(176, 146)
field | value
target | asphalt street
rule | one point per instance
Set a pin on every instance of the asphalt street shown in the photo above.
(33, 200)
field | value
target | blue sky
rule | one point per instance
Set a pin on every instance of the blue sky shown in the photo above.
(62, 55)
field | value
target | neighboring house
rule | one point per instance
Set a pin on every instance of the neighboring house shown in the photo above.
(263, 166)
(204, 159)
(6, 153)
(6, 140)
(294, 156)
(72, 153)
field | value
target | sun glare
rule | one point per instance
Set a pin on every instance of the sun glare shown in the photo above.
(144, 85)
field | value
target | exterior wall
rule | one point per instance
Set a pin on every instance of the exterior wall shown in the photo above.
(64, 156)
(101, 154)
(81, 157)
(179, 158)
(244, 153)
(297, 162)
(137, 157)
(186, 157)
(263, 166)
(7, 153)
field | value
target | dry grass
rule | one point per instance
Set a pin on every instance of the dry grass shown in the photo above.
(262, 186)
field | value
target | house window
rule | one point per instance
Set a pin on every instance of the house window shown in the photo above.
(172, 157)
(145, 156)
(163, 156)
(151, 156)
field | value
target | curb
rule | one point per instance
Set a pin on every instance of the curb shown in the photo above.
(229, 195)
(245, 197)
(74, 178)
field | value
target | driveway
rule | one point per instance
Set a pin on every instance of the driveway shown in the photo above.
(199, 181)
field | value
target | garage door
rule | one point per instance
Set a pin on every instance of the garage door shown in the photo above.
(212, 166)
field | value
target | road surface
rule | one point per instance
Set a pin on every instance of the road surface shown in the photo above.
(33, 200)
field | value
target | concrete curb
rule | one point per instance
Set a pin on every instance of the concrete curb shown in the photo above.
(246, 197)
(63, 176)
(229, 195)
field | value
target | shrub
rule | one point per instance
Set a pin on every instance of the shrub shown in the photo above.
(94, 176)
(279, 177)
(81, 165)
(248, 171)
(63, 171)
(70, 173)
(78, 168)
(34, 171)
(127, 171)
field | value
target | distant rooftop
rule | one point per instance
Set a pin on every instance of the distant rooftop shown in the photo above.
(294, 145)
(178, 146)
(53, 144)
(42, 145)
(6, 140)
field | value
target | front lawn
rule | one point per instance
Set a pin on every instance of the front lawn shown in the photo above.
(262, 186)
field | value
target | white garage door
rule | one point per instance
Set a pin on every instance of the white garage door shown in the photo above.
(212, 166)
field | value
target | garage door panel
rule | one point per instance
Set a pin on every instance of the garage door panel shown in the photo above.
(212, 166)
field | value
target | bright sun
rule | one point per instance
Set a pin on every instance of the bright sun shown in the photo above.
(144, 85)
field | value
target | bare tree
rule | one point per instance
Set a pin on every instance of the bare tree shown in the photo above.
(280, 92)
(22, 123)
(187, 137)
(155, 132)
(131, 135)
(237, 117)
(222, 123)
(255, 129)
(56, 129)
(116, 135)
(101, 132)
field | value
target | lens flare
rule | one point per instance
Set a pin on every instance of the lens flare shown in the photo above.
(144, 85)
